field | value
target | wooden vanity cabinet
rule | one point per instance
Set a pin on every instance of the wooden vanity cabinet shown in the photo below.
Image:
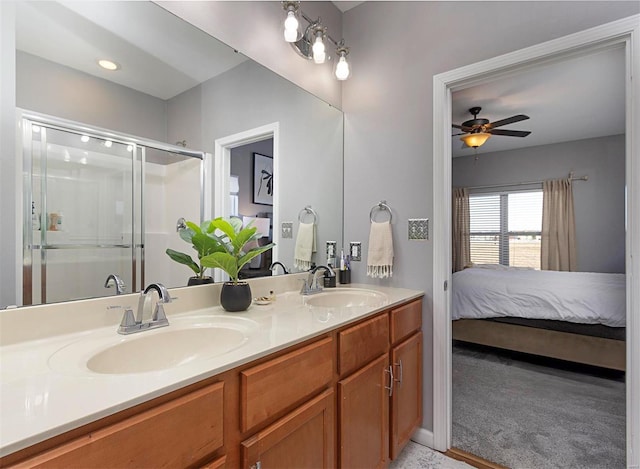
(350, 398)
(178, 433)
(380, 404)
(305, 438)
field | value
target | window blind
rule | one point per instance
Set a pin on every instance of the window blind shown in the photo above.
(505, 228)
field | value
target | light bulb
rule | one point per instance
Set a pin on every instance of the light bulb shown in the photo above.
(84, 138)
(342, 68)
(319, 54)
(291, 27)
(291, 35)
(108, 143)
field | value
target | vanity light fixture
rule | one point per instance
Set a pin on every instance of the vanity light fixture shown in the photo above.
(475, 140)
(311, 44)
(108, 64)
(342, 66)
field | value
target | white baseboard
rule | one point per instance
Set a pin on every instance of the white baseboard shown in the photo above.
(423, 437)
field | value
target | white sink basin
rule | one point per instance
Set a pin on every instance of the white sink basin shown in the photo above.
(346, 298)
(184, 341)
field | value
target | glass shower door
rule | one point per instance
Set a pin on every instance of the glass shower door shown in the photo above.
(83, 205)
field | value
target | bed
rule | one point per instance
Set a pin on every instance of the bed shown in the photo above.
(572, 316)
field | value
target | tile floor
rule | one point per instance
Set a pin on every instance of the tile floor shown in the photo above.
(415, 456)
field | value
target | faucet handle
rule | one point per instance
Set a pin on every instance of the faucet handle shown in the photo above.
(159, 317)
(128, 319)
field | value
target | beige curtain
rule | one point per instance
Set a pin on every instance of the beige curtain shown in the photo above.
(461, 246)
(558, 247)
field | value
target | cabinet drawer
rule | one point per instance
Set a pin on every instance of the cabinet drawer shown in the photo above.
(176, 434)
(282, 382)
(406, 320)
(362, 343)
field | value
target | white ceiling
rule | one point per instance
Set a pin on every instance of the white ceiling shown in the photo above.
(345, 5)
(573, 99)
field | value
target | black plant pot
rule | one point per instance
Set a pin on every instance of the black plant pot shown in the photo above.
(235, 297)
(199, 281)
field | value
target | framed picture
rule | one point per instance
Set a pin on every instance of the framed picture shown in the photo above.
(262, 179)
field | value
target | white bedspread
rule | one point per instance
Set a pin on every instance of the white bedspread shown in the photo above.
(580, 297)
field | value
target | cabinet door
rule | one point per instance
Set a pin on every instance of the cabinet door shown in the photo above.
(406, 400)
(305, 438)
(364, 416)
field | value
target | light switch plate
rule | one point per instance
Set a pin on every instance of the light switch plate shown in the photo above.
(355, 250)
(287, 229)
(418, 228)
(331, 252)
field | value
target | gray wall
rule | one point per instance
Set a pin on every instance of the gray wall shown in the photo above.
(310, 147)
(599, 202)
(255, 28)
(398, 47)
(60, 91)
(10, 257)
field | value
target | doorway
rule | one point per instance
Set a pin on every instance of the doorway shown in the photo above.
(624, 32)
(222, 175)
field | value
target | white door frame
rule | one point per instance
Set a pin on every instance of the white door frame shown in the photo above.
(222, 173)
(626, 32)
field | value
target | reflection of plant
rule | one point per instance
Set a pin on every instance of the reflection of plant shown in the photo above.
(231, 257)
(202, 240)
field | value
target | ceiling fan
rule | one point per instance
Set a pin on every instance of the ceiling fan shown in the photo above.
(478, 130)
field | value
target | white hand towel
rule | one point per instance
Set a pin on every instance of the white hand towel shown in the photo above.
(380, 254)
(305, 245)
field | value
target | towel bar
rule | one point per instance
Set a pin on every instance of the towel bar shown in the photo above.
(382, 205)
(307, 211)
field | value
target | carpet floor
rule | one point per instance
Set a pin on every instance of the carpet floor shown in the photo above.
(527, 415)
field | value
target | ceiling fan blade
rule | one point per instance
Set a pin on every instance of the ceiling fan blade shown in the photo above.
(461, 133)
(462, 127)
(509, 133)
(508, 120)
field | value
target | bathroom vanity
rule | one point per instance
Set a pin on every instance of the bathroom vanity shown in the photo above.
(328, 380)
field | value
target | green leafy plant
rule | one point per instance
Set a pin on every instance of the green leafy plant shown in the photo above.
(202, 240)
(231, 256)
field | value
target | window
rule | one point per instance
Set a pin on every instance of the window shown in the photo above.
(234, 190)
(506, 228)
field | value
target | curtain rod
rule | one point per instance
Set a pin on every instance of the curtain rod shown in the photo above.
(513, 184)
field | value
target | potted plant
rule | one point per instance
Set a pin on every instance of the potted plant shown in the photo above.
(204, 244)
(231, 257)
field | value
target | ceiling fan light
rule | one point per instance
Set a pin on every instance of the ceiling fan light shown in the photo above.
(475, 140)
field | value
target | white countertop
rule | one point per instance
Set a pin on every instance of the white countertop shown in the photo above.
(40, 399)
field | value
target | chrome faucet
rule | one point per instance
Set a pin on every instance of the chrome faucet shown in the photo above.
(310, 285)
(130, 325)
(117, 282)
(273, 266)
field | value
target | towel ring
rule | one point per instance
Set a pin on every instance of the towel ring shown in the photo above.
(382, 205)
(307, 211)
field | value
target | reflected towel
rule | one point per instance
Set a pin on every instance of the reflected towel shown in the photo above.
(380, 254)
(305, 245)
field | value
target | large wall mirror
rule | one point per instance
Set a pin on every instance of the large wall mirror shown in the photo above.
(177, 85)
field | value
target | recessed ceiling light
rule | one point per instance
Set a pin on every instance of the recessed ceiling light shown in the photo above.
(108, 64)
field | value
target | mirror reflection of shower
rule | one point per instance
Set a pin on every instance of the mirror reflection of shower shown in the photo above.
(97, 203)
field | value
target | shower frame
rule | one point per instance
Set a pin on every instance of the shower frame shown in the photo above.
(26, 120)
